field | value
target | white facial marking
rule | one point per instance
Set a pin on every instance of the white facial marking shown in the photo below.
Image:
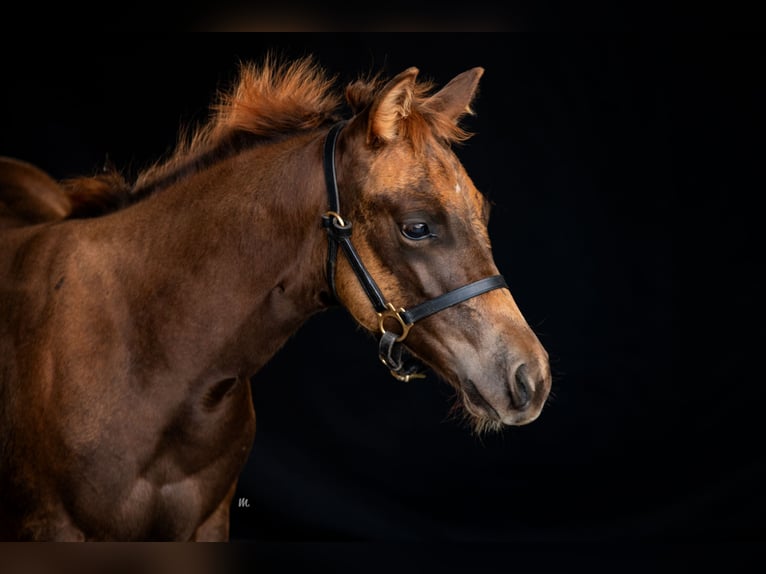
(458, 189)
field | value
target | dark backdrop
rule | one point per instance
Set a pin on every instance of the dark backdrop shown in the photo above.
(583, 147)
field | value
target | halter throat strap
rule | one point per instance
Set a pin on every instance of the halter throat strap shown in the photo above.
(339, 236)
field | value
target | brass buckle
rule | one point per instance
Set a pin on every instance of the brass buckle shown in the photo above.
(392, 313)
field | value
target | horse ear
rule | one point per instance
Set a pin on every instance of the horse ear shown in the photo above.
(454, 99)
(391, 105)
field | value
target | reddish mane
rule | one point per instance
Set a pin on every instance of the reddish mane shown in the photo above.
(267, 100)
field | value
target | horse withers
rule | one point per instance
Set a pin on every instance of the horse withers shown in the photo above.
(134, 316)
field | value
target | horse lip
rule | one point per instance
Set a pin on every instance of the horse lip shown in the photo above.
(475, 398)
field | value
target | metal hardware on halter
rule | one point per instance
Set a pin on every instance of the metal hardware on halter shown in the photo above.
(336, 216)
(390, 353)
(408, 377)
(390, 346)
(392, 313)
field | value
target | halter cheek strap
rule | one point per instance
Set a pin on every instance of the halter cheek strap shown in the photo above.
(339, 235)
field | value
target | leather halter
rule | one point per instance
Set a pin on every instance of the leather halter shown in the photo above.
(339, 234)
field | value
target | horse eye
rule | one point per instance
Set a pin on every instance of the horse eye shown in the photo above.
(416, 230)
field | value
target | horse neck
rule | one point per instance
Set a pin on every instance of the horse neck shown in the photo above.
(224, 265)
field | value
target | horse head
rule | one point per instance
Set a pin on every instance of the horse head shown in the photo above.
(420, 234)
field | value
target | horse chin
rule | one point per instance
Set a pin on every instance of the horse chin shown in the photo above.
(471, 410)
(476, 419)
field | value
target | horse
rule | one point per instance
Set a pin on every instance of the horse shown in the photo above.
(135, 315)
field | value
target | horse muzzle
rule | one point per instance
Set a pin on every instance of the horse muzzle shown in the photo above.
(513, 398)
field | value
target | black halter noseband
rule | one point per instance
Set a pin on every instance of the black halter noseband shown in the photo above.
(339, 234)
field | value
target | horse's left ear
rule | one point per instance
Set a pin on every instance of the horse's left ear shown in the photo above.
(391, 105)
(454, 99)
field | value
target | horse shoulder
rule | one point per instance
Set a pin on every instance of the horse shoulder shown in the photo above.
(36, 316)
(61, 396)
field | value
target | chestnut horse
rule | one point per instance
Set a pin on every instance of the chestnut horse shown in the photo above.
(133, 315)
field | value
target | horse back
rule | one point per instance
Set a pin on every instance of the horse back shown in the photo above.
(28, 195)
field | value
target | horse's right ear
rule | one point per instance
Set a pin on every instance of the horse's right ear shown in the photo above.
(390, 106)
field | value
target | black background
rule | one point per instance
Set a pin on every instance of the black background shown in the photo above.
(606, 158)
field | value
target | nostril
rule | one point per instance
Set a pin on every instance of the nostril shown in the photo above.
(520, 391)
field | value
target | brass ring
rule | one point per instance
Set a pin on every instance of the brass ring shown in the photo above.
(393, 313)
(335, 215)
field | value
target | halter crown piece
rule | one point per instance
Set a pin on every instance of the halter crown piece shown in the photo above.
(339, 234)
